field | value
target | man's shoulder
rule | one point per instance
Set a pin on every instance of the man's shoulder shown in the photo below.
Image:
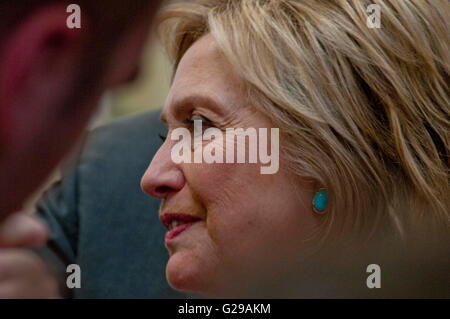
(148, 121)
(133, 135)
(140, 126)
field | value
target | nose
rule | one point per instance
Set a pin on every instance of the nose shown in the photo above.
(163, 177)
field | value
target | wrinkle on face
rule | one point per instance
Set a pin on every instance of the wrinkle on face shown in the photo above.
(246, 214)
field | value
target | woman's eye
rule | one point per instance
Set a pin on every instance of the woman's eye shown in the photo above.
(198, 118)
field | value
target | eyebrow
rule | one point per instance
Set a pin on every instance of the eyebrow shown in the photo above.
(193, 100)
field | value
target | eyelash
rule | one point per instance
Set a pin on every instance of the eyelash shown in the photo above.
(162, 137)
(205, 122)
(190, 122)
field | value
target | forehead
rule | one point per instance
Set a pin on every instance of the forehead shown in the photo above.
(204, 71)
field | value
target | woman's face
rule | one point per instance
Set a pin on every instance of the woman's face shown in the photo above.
(230, 224)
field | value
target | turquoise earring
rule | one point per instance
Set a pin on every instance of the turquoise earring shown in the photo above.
(320, 201)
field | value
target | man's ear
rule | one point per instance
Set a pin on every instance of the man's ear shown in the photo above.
(38, 64)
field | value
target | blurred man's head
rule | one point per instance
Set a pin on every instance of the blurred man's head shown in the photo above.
(52, 77)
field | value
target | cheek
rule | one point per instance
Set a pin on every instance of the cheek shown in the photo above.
(249, 215)
(227, 191)
(247, 211)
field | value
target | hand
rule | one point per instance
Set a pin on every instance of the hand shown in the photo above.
(21, 230)
(23, 273)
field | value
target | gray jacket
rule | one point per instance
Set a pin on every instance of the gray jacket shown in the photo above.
(102, 221)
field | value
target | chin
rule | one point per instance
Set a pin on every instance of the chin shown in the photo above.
(184, 273)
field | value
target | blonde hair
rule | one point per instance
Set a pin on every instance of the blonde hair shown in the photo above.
(364, 112)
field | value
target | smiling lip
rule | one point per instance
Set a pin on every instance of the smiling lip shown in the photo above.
(185, 221)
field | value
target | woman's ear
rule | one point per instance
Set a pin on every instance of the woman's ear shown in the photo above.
(38, 64)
